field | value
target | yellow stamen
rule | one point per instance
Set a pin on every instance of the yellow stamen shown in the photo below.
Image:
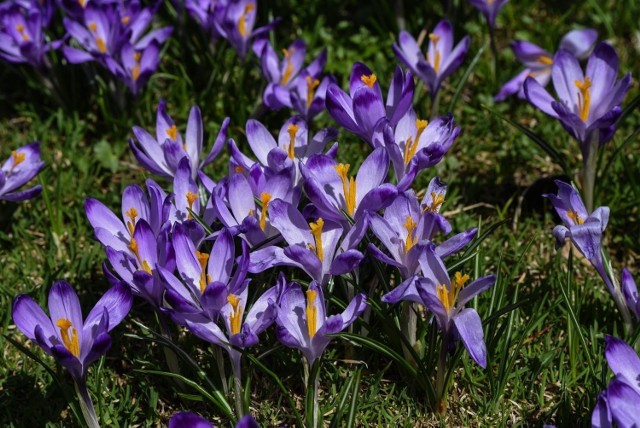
(242, 24)
(369, 80)
(288, 71)
(20, 30)
(102, 47)
(172, 132)
(312, 84)
(265, 198)
(93, 27)
(146, 267)
(235, 317)
(449, 296)
(125, 19)
(137, 56)
(545, 59)
(312, 313)
(83, 3)
(132, 213)
(573, 215)
(437, 199)
(18, 158)
(411, 146)
(238, 169)
(348, 187)
(292, 130)
(191, 198)
(135, 72)
(133, 246)
(316, 231)
(410, 226)
(72, 344)
(584, 97)
(203, 258)
(436, 61)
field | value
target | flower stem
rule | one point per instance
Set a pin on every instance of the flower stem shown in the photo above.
(313, 419)
(86, 405)
(441, 400)
(409, 327)
(435, 104)
(588, 173)
(494, 51)
(236, 365)
(169, 354)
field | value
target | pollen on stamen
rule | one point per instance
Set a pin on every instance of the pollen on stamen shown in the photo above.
(573, 215)
(312, 313)
(265, 198)
(18, 158)
(242, 25)
(172, 132)
(93, 27)
(132, 213)
(235, 317)
(102, 46)
(288, 71)
(292, 130)
(238, 169)
(584, 97)
(125, 19)
(437, 199)
(20, 30)
(369, 80)
(545, 59)
(312, 84)
(316, 232)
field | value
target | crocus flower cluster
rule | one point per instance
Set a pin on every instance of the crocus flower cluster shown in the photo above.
(114, 36)
(23, 164)
(618, 404)
(23, 26)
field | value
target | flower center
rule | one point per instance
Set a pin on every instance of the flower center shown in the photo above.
(410, 226)
(203, 258)
(132, 213)
(288, 70)
(369, 80)
(312, 84)
(292, 130)
(348, 187)
(18, 158)
(135, 71)
(411, 146)
(449, 295)
(316, 231)
(125, 19)
(584, 97)
(23, 34)
(235, 317)
(265, 198)
(573, 215)
(71, 343)
(172, 132)
(242, 22)
(191, 198)
(545, 59)
(437, 199)
(312, 313)
(133, 246)
(436, 60)
(82, 3)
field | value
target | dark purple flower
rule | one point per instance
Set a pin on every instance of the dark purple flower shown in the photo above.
(312, 245)
(162, 154)
(23, 164)
(335, 193)
(63, 333)
(446, 298)
(302, 321)
(191, 420)
(208, 13)
(538, 62)
(441, 58)
(630, 291)
(22, 35)
(588, 103)
(619, 403)
(418, 144)
(489, 8)
(363, 110)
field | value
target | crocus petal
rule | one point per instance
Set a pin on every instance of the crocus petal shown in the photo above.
(27, 315)
(188, 420)
(117, 301)
(624, 401)
(346, 262)
(64, 304)
(209, 332)
(623, 360)
(475, 288)
(538, 96)
(601, 416)
(260, 140)
(579, 42)
(469, 328)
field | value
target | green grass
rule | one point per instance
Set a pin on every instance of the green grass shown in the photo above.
(544, 324)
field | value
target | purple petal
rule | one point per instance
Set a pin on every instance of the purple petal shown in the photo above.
(27, 315)
(469, 328)
(623, 360)
(117, 301)
(579, 42)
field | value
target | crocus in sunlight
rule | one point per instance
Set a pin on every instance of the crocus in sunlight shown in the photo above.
(489, 8)
(363, 109)
(162, 154)
(619, 403)
(440, 60)
(538, 62)
(23, 164)
(302, 321)
(74, 342)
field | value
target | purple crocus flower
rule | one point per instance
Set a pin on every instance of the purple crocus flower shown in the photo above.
(312, 246)
(630, 291)
(489, 8)
(284, 74)
(333, 192)
(236, 25)
(208, 13)
(446, 298)
(22, 36)
(619, 403)
(185, 197)
(23, 164)
(406, 228)
(308, 96)
(418, 144)
(302, 321)
(588, 103)
(63, 334)
(441, 58)
(191, 420)
(363, 110)
(161, 155)
(116, 232)
(538, 61)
